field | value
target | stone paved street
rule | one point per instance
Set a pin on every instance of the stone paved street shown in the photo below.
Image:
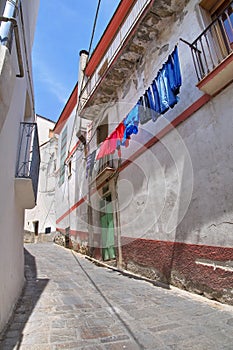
(70, 303)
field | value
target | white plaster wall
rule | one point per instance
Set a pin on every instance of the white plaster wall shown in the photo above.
(154, 192)
(180, 188)
(11, 212)
(44, 125)
(74, 187)
(44, 211)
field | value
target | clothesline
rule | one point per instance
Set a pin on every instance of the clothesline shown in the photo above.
(160, 96)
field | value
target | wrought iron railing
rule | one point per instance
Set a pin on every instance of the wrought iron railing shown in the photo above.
(28, 162)
(105, 162)
(214, 44)
(115, 47)
(108, 161)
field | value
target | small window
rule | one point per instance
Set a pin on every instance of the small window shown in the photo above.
(69, 168)
(102, 131)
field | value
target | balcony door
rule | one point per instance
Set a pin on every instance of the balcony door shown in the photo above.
(222, 12)
(107, 228)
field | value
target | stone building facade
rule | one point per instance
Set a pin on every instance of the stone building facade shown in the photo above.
(161, 206)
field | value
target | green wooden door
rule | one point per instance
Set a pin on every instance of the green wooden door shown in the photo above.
(107, 229)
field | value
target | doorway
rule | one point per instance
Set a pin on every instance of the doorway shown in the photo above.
(107, 228)
(36, 227)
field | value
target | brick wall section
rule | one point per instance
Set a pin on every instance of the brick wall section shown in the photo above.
(175, 263)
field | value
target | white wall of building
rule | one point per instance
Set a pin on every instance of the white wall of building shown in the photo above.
(74, 186)
(180, 188)
(15, 92)
(44, 211)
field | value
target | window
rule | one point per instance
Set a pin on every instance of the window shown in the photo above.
(2, 6)
(70, 168)
(222, 10)
(102, 131)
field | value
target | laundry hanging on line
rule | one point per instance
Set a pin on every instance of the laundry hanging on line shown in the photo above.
(131, 123)
(162, 93)
(110, 143)
(90, 163)
(160, 96)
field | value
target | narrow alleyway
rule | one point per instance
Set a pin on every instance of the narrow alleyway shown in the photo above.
(70, 303)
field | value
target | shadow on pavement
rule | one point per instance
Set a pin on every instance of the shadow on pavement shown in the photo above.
(33, 288)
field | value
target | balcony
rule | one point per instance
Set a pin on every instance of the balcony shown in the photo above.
(141, 27)
(28, 164)
(115, 46)
(212, 54)
(103, 169)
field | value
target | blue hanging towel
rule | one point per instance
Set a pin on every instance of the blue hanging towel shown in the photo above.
(152, 104)
(131, 123)
(176, 71)
(172, 98)
(163, 95)
(156, 96)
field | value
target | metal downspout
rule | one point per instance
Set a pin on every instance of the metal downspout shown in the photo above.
(17, 42)
(9, 15)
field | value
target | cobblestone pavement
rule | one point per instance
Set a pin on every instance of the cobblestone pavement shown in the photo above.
(70, 303)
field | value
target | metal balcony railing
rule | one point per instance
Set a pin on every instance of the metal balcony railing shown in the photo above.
(115, 47)
(214, 44)
(28, 162)
(107, 162)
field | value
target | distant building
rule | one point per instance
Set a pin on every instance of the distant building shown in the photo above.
(153, 184)
(42, 218)
(19, 148)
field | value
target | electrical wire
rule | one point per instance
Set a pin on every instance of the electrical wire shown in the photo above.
(81, 87)
(78, 102)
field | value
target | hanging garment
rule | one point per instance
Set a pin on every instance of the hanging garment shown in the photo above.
(120, 131)
(143, 116)
(149, 98)
(90, 163)
(163, 95)
(108, 146)
(172, 98)
(131, 123)
(175, 70)
(156, 96)
(120, 134)
(111, 142)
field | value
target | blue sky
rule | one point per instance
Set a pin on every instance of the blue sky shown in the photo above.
(63, 29)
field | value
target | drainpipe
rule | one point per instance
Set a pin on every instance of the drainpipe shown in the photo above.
(11, 10)
(83, 54)
(117, 218)
(81, 83)
(6, 37)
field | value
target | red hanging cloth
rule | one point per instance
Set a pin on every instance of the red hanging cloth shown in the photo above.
(110, 143)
